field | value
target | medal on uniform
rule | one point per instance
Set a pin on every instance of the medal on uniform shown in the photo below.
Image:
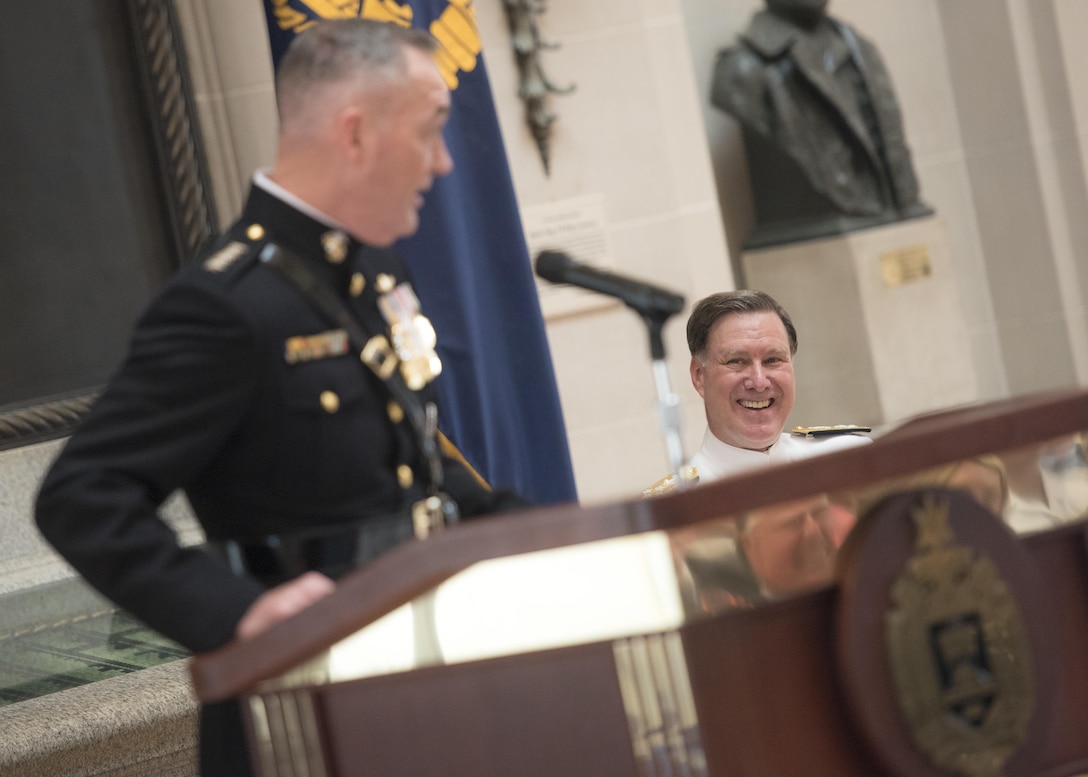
(412, 335)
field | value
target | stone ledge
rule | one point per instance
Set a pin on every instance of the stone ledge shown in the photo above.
(142, 724)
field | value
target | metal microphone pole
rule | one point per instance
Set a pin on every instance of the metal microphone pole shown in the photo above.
(655, 305)
(668, 403)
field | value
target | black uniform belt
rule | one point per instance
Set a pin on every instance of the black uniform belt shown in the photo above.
(333, 551)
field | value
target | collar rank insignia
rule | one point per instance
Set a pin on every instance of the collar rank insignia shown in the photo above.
(335, 244)
(306, 348)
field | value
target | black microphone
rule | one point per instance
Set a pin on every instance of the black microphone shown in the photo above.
(557, 267)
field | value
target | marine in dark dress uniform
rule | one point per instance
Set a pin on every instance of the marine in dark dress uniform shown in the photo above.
(294, 442)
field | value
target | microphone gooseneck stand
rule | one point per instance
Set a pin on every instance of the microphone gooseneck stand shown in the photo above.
(655, 306)
(668, 403)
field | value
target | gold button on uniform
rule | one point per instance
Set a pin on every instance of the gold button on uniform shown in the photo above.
(255, 232)
(329, 401)
(358, 283)
(396, 412)
(405, 476)
(385, 283)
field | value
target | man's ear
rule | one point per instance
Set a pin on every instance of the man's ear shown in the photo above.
(352, 133)
(696, 369)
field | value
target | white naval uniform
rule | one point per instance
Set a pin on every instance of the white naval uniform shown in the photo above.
(716, 459)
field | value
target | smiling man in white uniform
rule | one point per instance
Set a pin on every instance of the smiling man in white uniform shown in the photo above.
(742, 345)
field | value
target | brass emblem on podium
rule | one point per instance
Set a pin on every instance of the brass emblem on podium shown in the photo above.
(959, 654)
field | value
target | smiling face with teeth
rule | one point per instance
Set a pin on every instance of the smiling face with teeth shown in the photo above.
(745, 378)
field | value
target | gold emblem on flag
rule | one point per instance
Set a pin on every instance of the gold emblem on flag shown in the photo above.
(288, 18)
(959, 653)
(455, 28)
(459, 40)
(387, 11)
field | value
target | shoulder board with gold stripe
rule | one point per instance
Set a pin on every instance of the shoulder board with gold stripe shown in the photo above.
(668, 483)
(825, 431)
(226, 256)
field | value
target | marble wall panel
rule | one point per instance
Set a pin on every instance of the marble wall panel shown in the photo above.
(1049, 101)
(631, 134)
(949, 192)
(1020, 267)
(231, 69)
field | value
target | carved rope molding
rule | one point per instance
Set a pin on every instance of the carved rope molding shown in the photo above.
(183, 166)
(185, 183)
(43, 421)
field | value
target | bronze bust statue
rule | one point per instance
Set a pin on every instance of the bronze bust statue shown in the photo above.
(822, 129)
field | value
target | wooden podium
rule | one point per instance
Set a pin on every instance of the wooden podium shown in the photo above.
(567, 641)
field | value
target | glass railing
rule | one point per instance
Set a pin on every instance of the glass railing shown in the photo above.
(61, 635)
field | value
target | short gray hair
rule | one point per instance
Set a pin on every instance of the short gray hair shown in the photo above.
(334, 50)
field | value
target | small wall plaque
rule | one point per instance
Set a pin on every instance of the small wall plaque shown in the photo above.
(906, 265)
(578, 226)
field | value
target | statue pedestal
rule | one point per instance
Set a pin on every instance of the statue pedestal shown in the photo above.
(880, 326)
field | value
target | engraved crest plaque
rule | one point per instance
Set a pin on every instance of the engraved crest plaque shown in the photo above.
(945, 638)
(958, 652)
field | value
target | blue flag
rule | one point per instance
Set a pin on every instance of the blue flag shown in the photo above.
(470, 265)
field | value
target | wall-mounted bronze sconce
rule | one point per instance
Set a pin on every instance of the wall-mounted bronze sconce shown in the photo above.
(534, 86)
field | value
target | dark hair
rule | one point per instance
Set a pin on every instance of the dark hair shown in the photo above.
(708, 310)
(335, 49)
